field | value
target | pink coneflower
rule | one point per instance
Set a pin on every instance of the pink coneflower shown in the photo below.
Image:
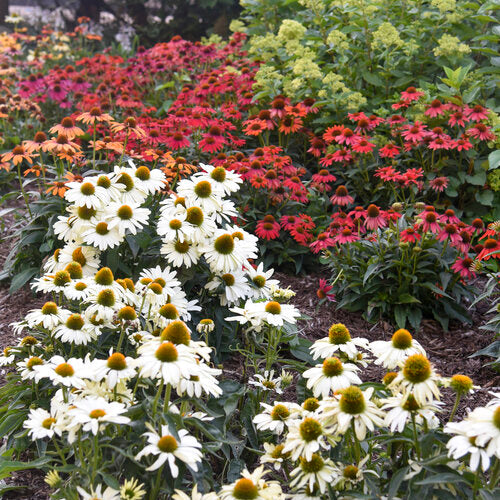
(177, 141)
(389, 151)
(409, 235)
(477, 225)
(490, 250)
(429, 221)
(268, 228)
(387, 174)
(449, 217)
(324, 291)
(347, 136)
(323, 176)
(458, 118)
(466, 236)
(463, 144)
(396, 120)
(449, 231)
(374, 218)
(342, 156)
(463, 267)
(411, 94)
(289, 221)
(477, 113)
(362, 145)
(294, 183)
(346, 236)
(415, 132)
(439, 143)
(341, 197)
(332, 133)
(435, 109)
(482, 132)
(323, 241)
(439, 184)
(357, 214)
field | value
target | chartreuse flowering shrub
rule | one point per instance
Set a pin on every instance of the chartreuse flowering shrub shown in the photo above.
(354, 55)
(114, 384)
(348, 439)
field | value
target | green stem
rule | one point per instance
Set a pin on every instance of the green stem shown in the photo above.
(455, 406)
(25, 196)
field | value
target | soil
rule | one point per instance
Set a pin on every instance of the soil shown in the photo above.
(449, 351)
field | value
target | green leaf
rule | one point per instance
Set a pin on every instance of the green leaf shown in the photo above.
(494, 160)
(485, 197)
(477, 180)
(445, 477)
(396, 482)
(373, 78)
(9, 466)
(400, 316)
(406, 298)
(369, 271)
(20, 279)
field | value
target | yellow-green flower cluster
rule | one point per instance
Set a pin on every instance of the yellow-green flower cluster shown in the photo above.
(450, 46)
(494, 180)
(264, 47)
(338, 40)
(236, 26)
(385, 36)
(314, 5)
(444, 5)
(291, 30)
(292, 87)
(306, 68)
(267, 78)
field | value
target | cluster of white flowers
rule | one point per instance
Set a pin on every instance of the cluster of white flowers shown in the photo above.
(147, 319)
(304, 434)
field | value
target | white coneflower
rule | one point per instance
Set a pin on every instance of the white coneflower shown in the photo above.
(221, 253)
(90, 414)
(202, 381)
(29, 368)
(316, 471)
(331, 376)
(69, 373)
(261, 281)
(109, 184)
(233, 285)
(353, 405)
(339, 341)
(402, 407)
(134, 192)
(180, 253)
(7, 357)
(195, 495)
(42, 424)
(274, 455)
(149, 181)
(166, 361)
(399, 348)
(202, 225)
(252, 485)
(225, 181)
(203, 193)
(114, 369)
(98, 493)
(49, 316)
(169, 448)
(126, 217)
(87, 256)
(267, 382)
(305, 437)
(86, 194)
(104, 303)
(418, 377)
(75, 330)
(101, 235)
(275, 416)
(52, 282)
(175, 227)
(247, 314)
(277, 314)
(77, 290)
(485, 425)
(132, 489)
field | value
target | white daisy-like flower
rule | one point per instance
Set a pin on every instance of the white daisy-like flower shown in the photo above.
(222, 253)
(233, 285)
(87, 256)
(195, 495)
(114, 369)
(8, 356)
(126, 217)
(134, 192)
(273, 455)
(148, 180)
(463, 443)
(315, 471)
(205, 193)
(69, 373)
(252, 485)
(202, 381)
(274, 417)
(102, 236)
(90, 414)
(331, 376)
(42, 424)
(56, 282)
(175, 227)
(305, 437)
(75, 330)
(267, 382)
(418, 377)
(485, 426)
(103, 304)
(98, 493)
(338, 342)
(180, 253)
(225, 181)
(77, 290)
(86, 194)
(49, 316)
(277, 314)
(261, 281)
(399, 348)
(353, 405)
(247, 314)
(166, 361)
(402, 407)
(109, 184)
(202, 224)
(132, 489)
(168, 448)
(29, 368)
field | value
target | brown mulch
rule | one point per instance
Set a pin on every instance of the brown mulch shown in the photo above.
(448, 351)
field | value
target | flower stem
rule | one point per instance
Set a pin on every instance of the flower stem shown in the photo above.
(455, 406)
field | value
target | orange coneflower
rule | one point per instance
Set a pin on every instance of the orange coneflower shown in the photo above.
(36, 144)
(5, 165)
(130, 125)
(17, 155)
(290, 124)
(61, 144)
(67, 127)
(94, 115)
(58, 188)
(35, 169)
(107, 143)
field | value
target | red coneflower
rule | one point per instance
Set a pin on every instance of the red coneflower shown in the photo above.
(411, 94)
(289, 221)
(463, 267)
(331, 133)
(429, 221)
(449, 231)
(415, 132)
(389, 151)
(177, 140)
(436, 108)
(254, 127)
(463, 144)
(290, 124)
(346, 236)
(491, 250)
(324, 291)
(477, 113)
(374, 218)
(482, 132)
(322, 242)
(341, 197)
(409, 235)
(362, 145)
(268, 228)
(458, 118)
(347, 136)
